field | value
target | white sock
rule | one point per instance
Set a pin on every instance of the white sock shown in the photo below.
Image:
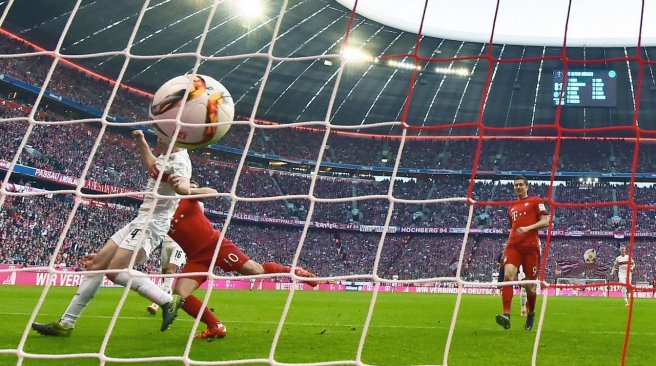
(145, 287)
(167, 284)
(624, 295)
(522, 297)
(85, 292)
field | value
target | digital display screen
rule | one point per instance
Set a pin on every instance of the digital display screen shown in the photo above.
(586, 88)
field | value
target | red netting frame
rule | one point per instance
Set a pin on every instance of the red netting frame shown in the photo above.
(556, 126)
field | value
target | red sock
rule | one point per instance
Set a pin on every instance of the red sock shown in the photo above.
(273, 267)
(506, 296)
(530, 302)
(192, 307)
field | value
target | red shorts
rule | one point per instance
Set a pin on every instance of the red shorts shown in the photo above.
(230, 259)
(527, 257)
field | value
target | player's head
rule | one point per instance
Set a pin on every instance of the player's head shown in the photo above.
(521, 186)
(162, 144)
(623, 249)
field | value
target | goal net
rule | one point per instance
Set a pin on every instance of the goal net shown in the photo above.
(382, 160)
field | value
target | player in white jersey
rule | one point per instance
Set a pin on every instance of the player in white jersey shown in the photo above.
(143, 234)
(172, 258)
(621, 265)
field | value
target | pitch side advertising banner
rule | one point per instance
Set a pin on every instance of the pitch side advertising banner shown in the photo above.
(11, 275)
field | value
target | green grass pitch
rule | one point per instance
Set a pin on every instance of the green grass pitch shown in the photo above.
(327, 326)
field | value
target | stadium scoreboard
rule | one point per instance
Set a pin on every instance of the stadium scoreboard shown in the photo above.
(585, 88)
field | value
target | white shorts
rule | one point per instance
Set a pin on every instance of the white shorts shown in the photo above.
(129, 235)
(172, 253)
(621, 277)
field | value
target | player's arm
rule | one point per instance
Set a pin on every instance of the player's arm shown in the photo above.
(87, 260)
(541, 224)
(203, 190)
(147, 157)
(612, 271)
(180, 185)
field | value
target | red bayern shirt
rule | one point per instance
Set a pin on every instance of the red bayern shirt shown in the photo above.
(191, 229)
(525, 212)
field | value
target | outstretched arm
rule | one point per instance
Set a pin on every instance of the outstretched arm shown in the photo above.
(541, 224)
(203, 190)
(182, 186)
(147, 157)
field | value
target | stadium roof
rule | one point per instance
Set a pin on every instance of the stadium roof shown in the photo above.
(375, 80)
(592, 23)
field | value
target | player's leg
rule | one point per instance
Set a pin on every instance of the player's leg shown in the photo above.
(253, 268)
(232, 259)
(522, 300)
(144, 243)
(141, 284)
(166, 285)
(86, 291)
(531, 263)
(512, 262)
(501, 275)
(172, 258)
(167, 282)
(184, 287)
(622, 279)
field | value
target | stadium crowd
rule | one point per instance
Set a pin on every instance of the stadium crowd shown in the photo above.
(39, 220)
(54, 148)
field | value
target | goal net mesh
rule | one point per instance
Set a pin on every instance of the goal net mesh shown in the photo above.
(97, 138)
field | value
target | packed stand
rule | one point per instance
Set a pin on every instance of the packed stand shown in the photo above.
(38, 220)
(30, 227)
(71, 83)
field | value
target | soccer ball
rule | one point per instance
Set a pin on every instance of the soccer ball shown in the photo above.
(207, 102)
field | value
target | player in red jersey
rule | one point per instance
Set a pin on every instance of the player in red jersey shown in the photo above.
(191, 229)
(527, 216)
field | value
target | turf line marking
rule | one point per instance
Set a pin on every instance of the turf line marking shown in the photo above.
(242, 321)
